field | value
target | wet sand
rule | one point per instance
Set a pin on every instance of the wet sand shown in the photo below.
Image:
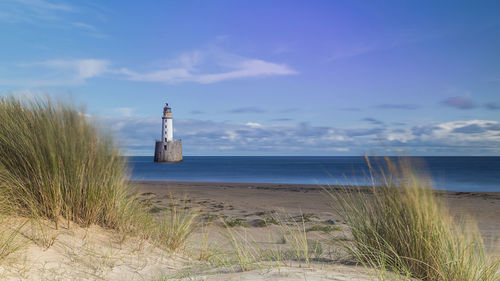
(250, 201)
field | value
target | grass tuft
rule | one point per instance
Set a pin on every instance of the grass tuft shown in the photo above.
(403, 227)
(176, 226)
(56, 164)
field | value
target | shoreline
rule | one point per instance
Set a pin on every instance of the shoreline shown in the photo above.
(289, 186)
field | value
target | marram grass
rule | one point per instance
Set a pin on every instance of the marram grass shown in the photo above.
(173, 230)
(402, 226)
(55, 164)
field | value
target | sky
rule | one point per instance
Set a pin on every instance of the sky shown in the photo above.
(267, 77)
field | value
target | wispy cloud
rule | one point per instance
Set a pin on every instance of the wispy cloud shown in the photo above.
(124, 111)
(40, 4)
(469, 129)
(81, 69)
(184, 68)
(198, 67)
(464, 103)
(406, 106)
(253, 125)
(397, 37)
(74, 71)
(492, 106)
(248, 109)
(350, 109)
(458, 102)
(248, 68)
(90, 29)
(57, 72)
(291, 109)
(372, 121)
(84, 26)
(33, 11)
(197, 112)
(281, 119)
(51, 14)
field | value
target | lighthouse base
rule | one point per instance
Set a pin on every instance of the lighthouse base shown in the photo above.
(168, 151)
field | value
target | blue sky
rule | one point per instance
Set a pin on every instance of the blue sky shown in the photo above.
(267, 77)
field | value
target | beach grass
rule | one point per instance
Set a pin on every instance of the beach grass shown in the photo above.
(57, 166)
(402, 226)
(248, 253)
(296, 234)
(176, 226)
(8, 237)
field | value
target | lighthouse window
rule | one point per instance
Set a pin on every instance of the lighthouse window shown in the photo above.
(165, 147)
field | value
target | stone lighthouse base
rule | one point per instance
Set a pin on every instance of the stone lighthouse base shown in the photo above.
(168, 151)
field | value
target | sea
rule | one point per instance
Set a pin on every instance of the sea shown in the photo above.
(467, 174)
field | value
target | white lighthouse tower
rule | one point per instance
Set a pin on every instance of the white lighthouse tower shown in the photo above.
(167, 133)
(167, 149)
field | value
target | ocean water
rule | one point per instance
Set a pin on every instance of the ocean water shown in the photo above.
(449, 173)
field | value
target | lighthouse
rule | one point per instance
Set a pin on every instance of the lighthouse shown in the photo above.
(167, 133)
(167, 149)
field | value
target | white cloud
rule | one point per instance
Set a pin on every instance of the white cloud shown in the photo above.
(82, 69)
(174, 75)
(55, 72)
(45, 13)
(86, 26)
(188, 60)
(253, 125)
(33, 11)
(467, 132)
(91, 30)
(40, 4)
(248, 68)
(471, 137)
(203, 67)
(339, 149)
(226, 147)
(124, 111)
(188, 68)
(403, 137)
(231, 135)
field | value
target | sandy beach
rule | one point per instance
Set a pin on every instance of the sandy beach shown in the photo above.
(245, 210)
(252, 202)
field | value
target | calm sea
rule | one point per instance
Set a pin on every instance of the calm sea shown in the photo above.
(450, 173)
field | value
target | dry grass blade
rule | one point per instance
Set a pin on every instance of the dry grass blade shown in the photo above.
(245, 251)
(8, 238)
(294, 231)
